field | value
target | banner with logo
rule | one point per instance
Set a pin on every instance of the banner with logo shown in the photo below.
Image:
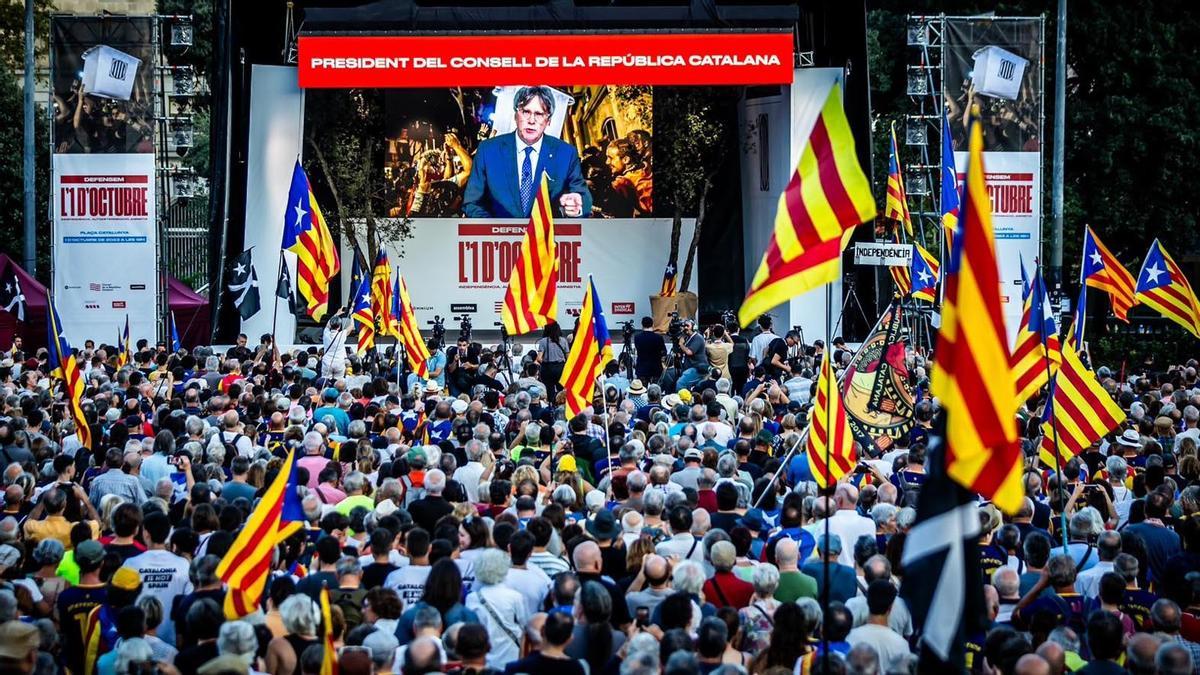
(996, 63)
(459, 266)
(103, 196)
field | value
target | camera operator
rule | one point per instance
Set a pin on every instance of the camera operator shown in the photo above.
(718, 348)
(739, 356)
(695, 362)
(462, 363)
(758, 346)
(651, 352)
(333, 361)
(552, 352)
(775, 357)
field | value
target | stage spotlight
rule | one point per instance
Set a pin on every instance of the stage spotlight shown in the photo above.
(181, 32)
(918, 81)
(915, 184)
(184, 186)
(915, 133)
(917, 36)
(182, 135)
(184, 82)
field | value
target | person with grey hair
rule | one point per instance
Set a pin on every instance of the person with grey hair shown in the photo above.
(427, 510)
(500, 609)
(237, 642)
(724, 588)
(507, 168)
(132, 655)
(1167, 620)
(1108, 547)
(642, 656)
(1174, 658)
(468, 474)
(301, 619)
(383, 646)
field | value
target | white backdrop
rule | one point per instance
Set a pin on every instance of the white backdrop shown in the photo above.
(276, 135)
(105, 239)
(457, 265)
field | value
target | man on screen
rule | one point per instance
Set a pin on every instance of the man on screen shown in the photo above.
(504, 177)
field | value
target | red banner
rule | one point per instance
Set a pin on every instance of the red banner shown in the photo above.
(338, 62)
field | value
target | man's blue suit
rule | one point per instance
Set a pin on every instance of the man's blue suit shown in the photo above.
(493, 189)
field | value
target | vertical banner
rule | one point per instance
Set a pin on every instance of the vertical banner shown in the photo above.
(103, 194)
(996, 63)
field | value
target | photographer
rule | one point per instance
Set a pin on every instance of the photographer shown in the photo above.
(739, 356)
(462, 363)
(651, 352)
(552, 352)
(333, 361)
(695, 363)
(775, 357)
(718, 348)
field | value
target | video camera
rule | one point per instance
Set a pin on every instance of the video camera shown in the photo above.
(627, 331)
(728, 318)
(439, 330)
(464, 326)
(675, 327)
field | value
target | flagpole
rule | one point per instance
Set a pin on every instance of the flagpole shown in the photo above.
(828, 448)
(275, 309)
(1062, 479)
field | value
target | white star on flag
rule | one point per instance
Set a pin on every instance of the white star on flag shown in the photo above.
(1095, 257)
(239, 269)
(300, 212)
(1153, 272)
(925, 276)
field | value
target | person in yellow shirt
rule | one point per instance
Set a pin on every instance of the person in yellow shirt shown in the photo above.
(55, 525)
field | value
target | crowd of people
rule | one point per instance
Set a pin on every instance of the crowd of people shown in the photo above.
(463, 525)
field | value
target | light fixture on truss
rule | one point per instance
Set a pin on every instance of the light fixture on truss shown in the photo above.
(181, 32)
(183, 135)
(916, 132)
(183, 81)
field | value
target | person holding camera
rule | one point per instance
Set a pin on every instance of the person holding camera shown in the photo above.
(739, 356)
(462, 363)
(695, 361)
(718, 348)
(775, 357)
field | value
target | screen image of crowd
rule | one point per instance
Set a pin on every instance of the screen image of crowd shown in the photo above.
(464, 523)
(105, 120)
(434, 137)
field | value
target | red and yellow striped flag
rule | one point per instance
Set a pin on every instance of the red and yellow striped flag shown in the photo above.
(829, 431)
(125, 356)
(1102, 270)
(971, 371)
(1078, 413)
(590, 352)
(381, 296)
(306, 234)
(246, 568)
(924, 273)
(409, 332)
(896, 208)
(64, 366)
(531, 300)
(1163, 287)
(362, 315)
(827, 196)
(901, 274)
(329, 661)
(1037, 352)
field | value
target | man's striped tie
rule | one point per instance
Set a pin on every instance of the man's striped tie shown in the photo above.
(527, 181)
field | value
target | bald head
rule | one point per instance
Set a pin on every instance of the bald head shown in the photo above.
(787, 554)
(1055, 657)
(587, 558)
(656, 569)
(846, 496)
(422, 656)
(1032, 664)
(1140, 653)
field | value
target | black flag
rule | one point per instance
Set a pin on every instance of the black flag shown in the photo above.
(283, 288)
(943, 585)
(12, 298)
(243, 284)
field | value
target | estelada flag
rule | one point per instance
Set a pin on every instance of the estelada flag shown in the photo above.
(827, 196)
(306, 234)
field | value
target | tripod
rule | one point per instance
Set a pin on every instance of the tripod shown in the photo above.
(625, 361)
(504, 359)
(848, 280)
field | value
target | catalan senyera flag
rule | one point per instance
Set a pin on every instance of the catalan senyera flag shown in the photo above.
(1078, 413)
(362, 315)
(950, 195)
(1103, 271)
(1162, 286)
(668, 283)
(64, 366)
(329, 662)
(829, 431)
(901, 275)
(126, 353)
(1037, 352)
(381, 296)
(531, 300)
(826, 197)
(896, 208)
(306, 235)
(1078, 322)
(971, 371)
(245, 569)
(410, 330)
(590, 352)
(924, 273)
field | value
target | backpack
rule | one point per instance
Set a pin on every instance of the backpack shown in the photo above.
(231, 449)
(351, 602)
(910, 489)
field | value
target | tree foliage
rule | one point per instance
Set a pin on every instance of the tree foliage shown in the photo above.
(690, 146)
(12, 31)
(12, 187)
(343, 146)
